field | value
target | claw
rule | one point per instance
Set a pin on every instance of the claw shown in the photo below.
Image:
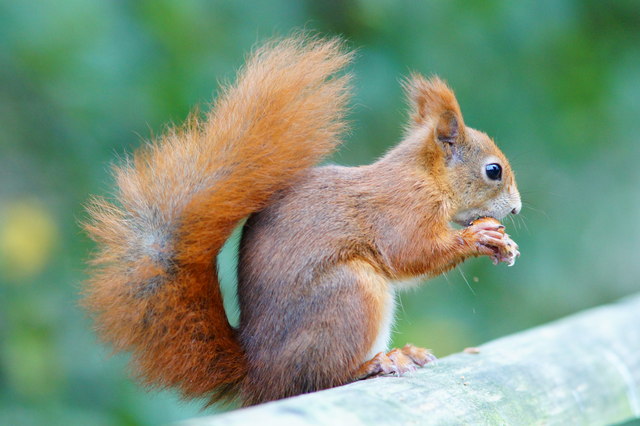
(397, 362)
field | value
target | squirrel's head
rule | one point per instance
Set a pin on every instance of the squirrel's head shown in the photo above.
(464, 162)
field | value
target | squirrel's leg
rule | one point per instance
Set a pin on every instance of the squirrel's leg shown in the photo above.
(448, 247)
(331, 323)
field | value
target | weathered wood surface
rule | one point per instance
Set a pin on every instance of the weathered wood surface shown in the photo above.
(584, 369)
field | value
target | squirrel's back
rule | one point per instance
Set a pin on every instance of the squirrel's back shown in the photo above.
(153, 290)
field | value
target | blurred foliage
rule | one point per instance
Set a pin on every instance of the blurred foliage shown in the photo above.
(82, 82)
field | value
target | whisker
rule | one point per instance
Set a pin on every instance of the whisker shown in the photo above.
(399, 302)
(524, 223)
(466, 281)
(530, 207)
(446, 277)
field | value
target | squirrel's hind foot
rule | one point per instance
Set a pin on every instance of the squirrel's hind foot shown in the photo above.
(397, 361)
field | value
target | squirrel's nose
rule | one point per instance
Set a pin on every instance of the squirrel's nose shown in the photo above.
(517, 207)
(516, 202)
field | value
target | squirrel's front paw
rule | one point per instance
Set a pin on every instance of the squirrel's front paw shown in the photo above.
(487, 235)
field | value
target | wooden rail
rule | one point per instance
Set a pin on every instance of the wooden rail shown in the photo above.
(584, 369)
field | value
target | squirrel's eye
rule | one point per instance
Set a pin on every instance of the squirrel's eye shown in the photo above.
(494, 171)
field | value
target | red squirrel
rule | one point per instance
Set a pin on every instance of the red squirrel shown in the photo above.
(323, 248)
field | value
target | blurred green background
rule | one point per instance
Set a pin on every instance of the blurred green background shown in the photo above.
(556, 82)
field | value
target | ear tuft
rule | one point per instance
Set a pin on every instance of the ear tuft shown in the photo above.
(430, 99)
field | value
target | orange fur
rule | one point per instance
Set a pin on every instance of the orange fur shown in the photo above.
(322, 248)
(154, 289)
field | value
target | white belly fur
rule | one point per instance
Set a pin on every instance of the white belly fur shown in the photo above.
(381, 344)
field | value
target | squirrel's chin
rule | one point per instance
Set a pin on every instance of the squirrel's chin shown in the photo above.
(461, 222)
(467, 220)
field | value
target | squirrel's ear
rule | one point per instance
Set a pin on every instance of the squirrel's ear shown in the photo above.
(431, 100)
(447, 128)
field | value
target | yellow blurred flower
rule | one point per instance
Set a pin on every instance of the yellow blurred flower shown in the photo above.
(27, 236)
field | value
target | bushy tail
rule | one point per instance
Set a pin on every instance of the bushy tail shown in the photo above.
(154, 290)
